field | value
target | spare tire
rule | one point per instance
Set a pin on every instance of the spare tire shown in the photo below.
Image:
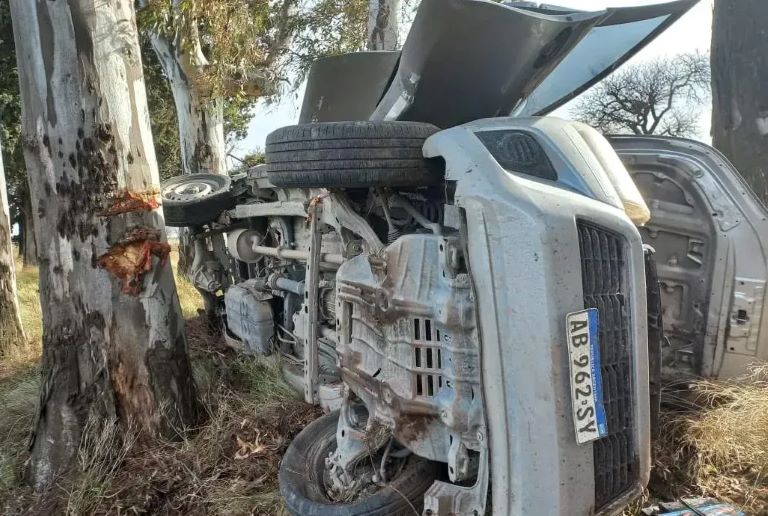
(196, 199)
(351, 155)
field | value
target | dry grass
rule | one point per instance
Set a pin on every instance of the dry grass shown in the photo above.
(26, 354)
(717, 445)
(189, 298)
(19, 388)
(227, 466)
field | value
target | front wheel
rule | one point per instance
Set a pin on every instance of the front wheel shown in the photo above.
(304, 480)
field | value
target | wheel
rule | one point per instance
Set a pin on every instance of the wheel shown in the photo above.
(303, 479)
(351, 154)
(196, 199)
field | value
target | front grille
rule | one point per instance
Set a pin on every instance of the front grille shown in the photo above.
(604, 275)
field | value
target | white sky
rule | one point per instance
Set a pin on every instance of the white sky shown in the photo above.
(691, 33)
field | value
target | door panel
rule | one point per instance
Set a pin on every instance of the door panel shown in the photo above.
(711, 238)
(681, 233)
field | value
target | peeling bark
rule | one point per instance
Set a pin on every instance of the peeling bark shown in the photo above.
(383, 24)
(740, 98)
(127, 202)
(131, 258)
(87, 143)
(11, 332)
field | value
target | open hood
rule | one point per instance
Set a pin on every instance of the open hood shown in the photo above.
(470, 59)
(621, 34)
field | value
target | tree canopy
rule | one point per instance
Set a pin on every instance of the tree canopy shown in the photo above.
(257, 47)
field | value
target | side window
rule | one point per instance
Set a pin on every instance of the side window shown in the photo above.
(518, 152)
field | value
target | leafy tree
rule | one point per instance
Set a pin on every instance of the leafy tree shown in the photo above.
(221, 57)
(663, 96)
(162, 114)
(247, 162)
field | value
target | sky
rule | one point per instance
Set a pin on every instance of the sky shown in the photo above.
(691, 33)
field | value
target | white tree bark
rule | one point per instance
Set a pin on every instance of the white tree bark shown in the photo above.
(11, 331)
(201, 116)
(383, 24)
(113, 340)
(28, 235)
(200, 119)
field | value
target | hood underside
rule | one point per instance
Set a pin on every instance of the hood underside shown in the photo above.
(469, 59)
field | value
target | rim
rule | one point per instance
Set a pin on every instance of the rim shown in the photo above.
(366, 467)
(193, 188)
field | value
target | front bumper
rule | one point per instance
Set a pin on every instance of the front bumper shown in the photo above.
(523, 244)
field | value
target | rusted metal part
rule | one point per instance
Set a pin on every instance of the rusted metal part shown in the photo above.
(129, 202)
(312, 283)
(131, 258)
(318, 199)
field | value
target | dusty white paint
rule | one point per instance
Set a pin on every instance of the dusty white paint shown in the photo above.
(383, 24)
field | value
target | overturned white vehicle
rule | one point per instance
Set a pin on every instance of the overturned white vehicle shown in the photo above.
(462, 285)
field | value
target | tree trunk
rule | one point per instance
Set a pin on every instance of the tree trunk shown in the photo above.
(113, 337)
(383, 24)
(11, 332)
(201, 124)
(27, 232)
(201, 117)
(740, 97)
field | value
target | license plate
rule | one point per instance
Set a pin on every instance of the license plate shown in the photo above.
(586, 379)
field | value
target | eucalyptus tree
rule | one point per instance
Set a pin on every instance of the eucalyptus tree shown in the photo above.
(113, 337)
(10, 124)
(235, 52)
(383, 24)
(11, 331)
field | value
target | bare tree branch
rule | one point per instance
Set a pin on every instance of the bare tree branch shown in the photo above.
(657, 97)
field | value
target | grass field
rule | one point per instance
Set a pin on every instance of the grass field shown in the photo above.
(714, 443)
